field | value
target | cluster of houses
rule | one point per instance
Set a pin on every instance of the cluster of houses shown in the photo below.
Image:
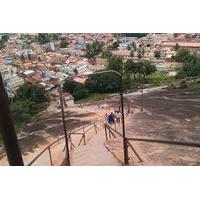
(22, 61)
(165, 43)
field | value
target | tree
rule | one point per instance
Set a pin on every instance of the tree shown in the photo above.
(78, 90)
(31, 92)
(149, 68)
(29, 56)
(177, 47)
(115, 63)
(93, 49)
(132, 53)
(185, 55)
(131, 67)
(75, 71)
(5, 37)
(106, 54)
(43, 38)
(138, 35)
(63, 43)
(102, 83)
(22, 58)
(2, 44)
(134, 46)
(157, 54)
(140, 53)
(115, 44)
(80, 93)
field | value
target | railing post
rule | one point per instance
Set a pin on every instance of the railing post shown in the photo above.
(7, 130)
(51, 162)
(70, 137)
(109, 133)
(95, 127)
(106, 132)
(83, 128)
(84, 139)
(126, 152)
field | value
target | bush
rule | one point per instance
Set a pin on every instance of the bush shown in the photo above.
(80, 93)
(158, 78)
(32, 93)
(78, 90)
(103, 83)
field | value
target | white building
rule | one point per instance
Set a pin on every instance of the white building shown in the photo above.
(10, 78)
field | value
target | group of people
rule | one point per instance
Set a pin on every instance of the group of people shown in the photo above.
(113, 117)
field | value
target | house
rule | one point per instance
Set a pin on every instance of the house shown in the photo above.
(68, 100)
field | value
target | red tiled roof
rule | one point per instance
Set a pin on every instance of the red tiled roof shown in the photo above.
(37, 77)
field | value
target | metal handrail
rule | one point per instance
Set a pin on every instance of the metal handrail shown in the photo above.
(171, 142)
(127, 140)
(49, 146)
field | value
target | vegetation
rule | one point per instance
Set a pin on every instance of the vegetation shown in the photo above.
(43, 38)
(115, 63)
(93, 49)
(103, 83)
(3, 40)
(115, 45)
(157, 54)
(191, 63)
(29, 100)
(138, 35)
(160, 78)
(78, 90)
(63, 43)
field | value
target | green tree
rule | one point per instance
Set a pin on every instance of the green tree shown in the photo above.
(177, 47)
(78, 90)
(75, 71)
(131, 67)
(93, 49)
(140, 53)
(103, 83)
(132, 53)
(115, 44)
(31, 92)
(157, 54)
(138, 35)
(115, 63)
(63, 43)
(185, 55)
(106, 54)
(22, 58)
(134, 46)
(5, 37)
(2, 44)
(43, 38)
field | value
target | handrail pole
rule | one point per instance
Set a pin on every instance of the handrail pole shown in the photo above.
(123, 125)
(106, 132)
(51, 162)
(84, 139)
(7, 130)
(65, 129)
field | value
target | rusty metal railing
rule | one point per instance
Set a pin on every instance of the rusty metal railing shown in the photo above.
(110, 132)
(85, 127)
